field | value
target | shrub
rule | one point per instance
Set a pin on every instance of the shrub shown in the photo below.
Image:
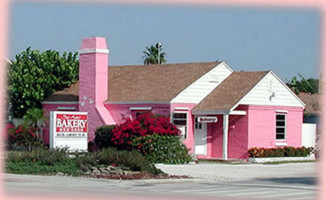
(45, 157)
(162, 149)
(103, 136)
(22, 138)
(259, 152)
(111, 156)
(142, 125)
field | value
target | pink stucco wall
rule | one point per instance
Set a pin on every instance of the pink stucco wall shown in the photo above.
(255, 129)
(119, 111)
(93, 83)
(238, 135)
(262, 126)
(46, 110)
(189, 141)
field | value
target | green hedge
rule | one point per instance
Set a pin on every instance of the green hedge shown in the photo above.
(103, 136)
(259, 152)
(59, 160)
(111, 156)
(162, 149)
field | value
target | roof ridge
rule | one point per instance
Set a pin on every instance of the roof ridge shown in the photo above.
(166, 64)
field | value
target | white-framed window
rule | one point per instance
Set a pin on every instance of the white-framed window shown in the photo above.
(136, 111)
(180, 120)
(280, 128)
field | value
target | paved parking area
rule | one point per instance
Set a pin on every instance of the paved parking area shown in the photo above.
(293, 181)
(236, 172)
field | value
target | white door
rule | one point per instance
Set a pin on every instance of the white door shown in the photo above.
(200, 138)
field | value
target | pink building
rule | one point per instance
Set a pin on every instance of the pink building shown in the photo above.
(221, 113)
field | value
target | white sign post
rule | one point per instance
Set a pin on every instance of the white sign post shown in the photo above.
(69, 129)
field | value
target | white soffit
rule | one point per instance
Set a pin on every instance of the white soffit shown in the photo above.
(140, 108)
(203, 86)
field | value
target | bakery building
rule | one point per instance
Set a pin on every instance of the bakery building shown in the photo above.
(221, 113)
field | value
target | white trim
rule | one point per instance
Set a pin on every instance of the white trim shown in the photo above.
(211, 112)
(281, 111)
(60, 102)
(204, 130)
(278, 159)
(303, 104)
(286, 87)
(83, 51)
(137, 102)
(225, 136)
(180, 111)
(237, 104)
(203, 86)
(140, 108)
(285, 126)
(238, 112)
(227, 66)
(281, 144)
(181, 108)
(66, 108)
(178, 126)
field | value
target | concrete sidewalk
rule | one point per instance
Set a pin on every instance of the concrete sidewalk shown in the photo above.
(237, 172)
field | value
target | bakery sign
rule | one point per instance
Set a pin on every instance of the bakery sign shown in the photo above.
(69, 129)
(206, 119)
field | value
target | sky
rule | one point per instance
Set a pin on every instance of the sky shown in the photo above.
(286, 41)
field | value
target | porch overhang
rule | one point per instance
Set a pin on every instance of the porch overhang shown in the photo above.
(220, 112)
(226, 114)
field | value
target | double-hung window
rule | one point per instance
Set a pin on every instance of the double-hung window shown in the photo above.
(280, 126)
(180, 120)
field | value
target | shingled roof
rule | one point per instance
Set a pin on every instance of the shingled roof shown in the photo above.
(312, 103)
(157, 83)
(230, 91)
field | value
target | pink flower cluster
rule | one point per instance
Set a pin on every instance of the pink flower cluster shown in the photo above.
(21, 135)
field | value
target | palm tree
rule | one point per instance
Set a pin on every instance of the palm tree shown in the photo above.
(154, 54)
(35, 118)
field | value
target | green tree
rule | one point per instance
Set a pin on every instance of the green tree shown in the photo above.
(310, 85)
(34, 117)
(35, 75)
(154, 54)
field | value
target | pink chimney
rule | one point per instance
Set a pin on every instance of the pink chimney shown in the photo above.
(93, 82)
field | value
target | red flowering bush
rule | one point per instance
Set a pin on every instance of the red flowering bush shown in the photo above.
(142, 125)
(260, 152)
(21, 137)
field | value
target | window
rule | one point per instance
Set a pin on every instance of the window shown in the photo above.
(136, 111)
(180, 120)
(198, 125)
(141, 112)
(280, 126)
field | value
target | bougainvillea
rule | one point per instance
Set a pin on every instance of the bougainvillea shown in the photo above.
(22, 137)
(142, 125)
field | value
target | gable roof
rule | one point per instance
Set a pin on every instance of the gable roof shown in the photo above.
(230, 91)
(312, 103)
(157, 83)
(69, 94)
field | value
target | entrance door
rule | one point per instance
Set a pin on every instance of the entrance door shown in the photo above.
(200, 138)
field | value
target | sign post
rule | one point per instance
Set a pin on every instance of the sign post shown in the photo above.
(69, 130)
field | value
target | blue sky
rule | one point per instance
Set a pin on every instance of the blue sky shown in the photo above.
(285, 41)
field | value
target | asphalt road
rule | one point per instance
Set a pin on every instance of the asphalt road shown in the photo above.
(300, 184)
